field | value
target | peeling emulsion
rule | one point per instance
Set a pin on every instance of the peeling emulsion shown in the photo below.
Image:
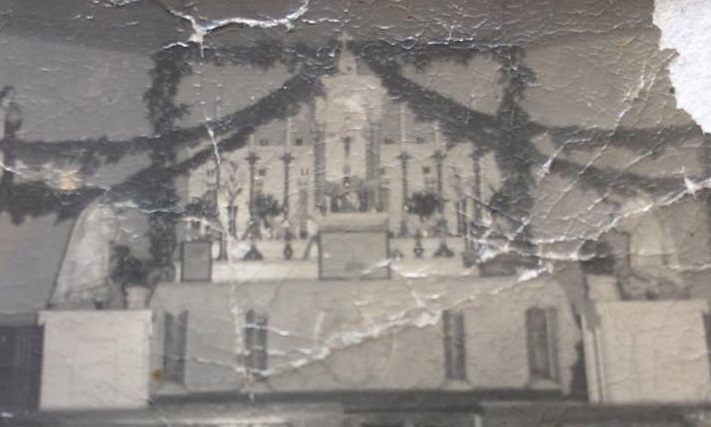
(683, 30)
(200, 30)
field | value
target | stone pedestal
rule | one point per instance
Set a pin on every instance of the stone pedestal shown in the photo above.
(137, 297)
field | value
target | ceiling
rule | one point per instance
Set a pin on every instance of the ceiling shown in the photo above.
(144, 26)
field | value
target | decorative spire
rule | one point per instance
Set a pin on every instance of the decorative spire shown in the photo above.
(347, 62)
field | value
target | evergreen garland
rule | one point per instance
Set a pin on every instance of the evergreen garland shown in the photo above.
(160, 196)
(509, 131)
(515, 152)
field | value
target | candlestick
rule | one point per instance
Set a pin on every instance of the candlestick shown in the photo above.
(404, 157)
(443, 250)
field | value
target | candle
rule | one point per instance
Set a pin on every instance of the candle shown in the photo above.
(287, 138)
(402, 123)
(435, 131)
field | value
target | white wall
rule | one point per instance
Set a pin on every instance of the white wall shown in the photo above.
(360, 335)
(646, 352)
(95, 359)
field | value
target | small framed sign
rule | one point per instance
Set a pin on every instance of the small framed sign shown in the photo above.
(196, 261)
(354, 247)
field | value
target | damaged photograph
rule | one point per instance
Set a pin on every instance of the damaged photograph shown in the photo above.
(356, 213)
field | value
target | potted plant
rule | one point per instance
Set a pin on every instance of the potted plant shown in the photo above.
(130, 274)
(424, 204)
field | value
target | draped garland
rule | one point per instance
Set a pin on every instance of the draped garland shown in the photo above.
(159, 196)
(508, 131)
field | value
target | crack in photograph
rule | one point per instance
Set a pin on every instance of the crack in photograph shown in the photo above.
(357, 213)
